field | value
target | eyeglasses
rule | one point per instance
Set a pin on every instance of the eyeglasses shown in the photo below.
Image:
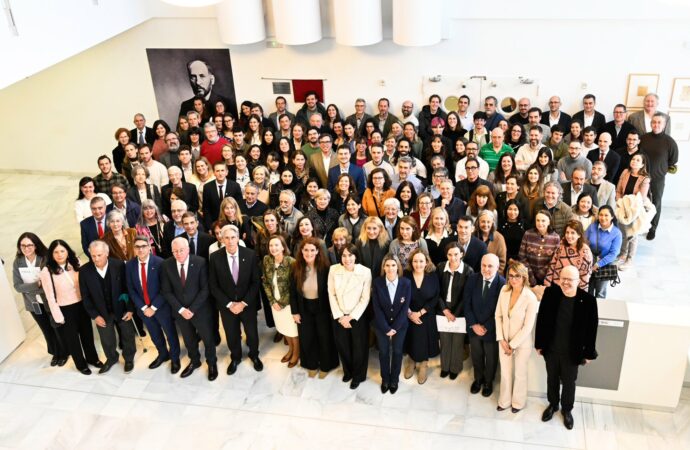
(141, 247)
(27, 245)
(471, 168)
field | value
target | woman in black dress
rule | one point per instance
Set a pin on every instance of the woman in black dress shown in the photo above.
(422, 335)
(512, 229)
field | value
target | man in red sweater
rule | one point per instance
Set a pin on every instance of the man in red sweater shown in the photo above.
(212, 147)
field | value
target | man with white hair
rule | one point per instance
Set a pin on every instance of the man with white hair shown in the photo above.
(391, 210)
(174, 227)
(286, 211)
(104, 293)
(191, 195)
(642, 120)
(481, 297)
(212, 147)
(359, 117)
(566, 335)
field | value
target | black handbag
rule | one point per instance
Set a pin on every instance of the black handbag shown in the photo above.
(607, 273)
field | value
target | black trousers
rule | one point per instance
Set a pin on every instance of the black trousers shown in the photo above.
(656, 187)
(316, 341)
(197, 327)
(77, 335)
(109, 340)
(268, 311)
(233, 333)
(353, 348)
(484, 359)
(391, 354)
(56, 347)
(560, 369)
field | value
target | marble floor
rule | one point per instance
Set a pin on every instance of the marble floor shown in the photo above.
(54, 408)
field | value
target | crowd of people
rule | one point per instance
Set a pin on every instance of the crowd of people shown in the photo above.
(436, 234)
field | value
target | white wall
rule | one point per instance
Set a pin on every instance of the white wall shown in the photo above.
(66, 115)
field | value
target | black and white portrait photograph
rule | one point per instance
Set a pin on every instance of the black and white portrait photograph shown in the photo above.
(192, 80)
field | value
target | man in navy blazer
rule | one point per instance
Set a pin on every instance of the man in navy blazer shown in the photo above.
(141, 134)
(143, 280)
(391, 296)
(589, 101)
(90, 225)
(234, 281)
(211, 198)
(345, 166)
(104, 295)
(481, 296)
(131, 210)
(473, 247)
(611, 159)
(184, 281)
(191, 195)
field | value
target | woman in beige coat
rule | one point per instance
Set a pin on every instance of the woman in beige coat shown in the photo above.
(516, 313)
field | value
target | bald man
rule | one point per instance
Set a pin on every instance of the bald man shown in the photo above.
(604, 153)
(493, 151)
(566, 334)
(481, 296)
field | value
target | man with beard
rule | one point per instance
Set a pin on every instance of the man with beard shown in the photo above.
(202, 81)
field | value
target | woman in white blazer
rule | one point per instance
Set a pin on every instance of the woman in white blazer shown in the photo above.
(349, 290)
(516, 313)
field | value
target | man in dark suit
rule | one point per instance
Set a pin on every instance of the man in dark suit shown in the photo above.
(234, 281)
(93, 227)
(618, 128)
(199, 242)
(566, 335)
(141, 134)
(473, 248)
(191, 196)
(173, 227)
(589, 116)
(129, 209)
(252, 206)
(554, 116)
(481, 296)
(455, 207)
(345, 166)
(184, 280)
(604, 153)
(464, 188)
(359, 117)
(576, 186)
(202, 80)
(144, 283)
(104, 293)
(384, 116)
(215, 191)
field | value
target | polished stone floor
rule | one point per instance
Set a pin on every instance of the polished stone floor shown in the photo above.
(55, 408)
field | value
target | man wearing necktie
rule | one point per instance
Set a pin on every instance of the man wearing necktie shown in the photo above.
(141, 134)
(144, 283)
(185, 287)
(199, 242)
(234, 282)
(93, 227)
(481, 296)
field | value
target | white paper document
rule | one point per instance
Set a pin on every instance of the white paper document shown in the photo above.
(444, 326)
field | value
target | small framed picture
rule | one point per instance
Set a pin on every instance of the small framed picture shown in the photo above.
(680, 126)
(639, 85)
(680, 96)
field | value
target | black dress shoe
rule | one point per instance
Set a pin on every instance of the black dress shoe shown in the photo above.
(175, 367)
(548, 413)
(514, 410)
(129, 366)
(157, 362)
(258, 365)
(189, 369)
(394, 388)
(54, 361)
(86, 371)
(347, 378)
(444, 373)
(97, 364)
(384, 387)
(212, 372)
(651, 234)
(487, 390)
(232, 368)
(476, 387)
(61, 362)
(106, 367)
(354, 384)
(568, 420)
(499, 408)
(452, 375)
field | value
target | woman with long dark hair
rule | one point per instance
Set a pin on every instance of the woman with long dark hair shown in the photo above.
(87, 191)
(28, 262)
(60, 281)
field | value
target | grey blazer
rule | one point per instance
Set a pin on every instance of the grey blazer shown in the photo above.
(637, 120)
(606, 194)
(28, 290)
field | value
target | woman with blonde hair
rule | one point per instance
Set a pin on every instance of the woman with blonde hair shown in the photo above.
(372, 244)
(261, 176)
(439, 234)
(516, 312)
(230, 214)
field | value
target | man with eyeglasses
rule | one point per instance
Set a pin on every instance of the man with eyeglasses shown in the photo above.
(407, 110)
(492, 115)
(566, 334)
(554, 116)
(464, 188)
(521, 116)
(471, 151)
(619, 127)
(573, 159)
(322, 161)
(359, 117)
(403, 174)
(144, 284)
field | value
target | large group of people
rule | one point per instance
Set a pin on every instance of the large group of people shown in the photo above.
(438, 234)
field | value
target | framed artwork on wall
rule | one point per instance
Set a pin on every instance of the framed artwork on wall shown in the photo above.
(639, 85)
(680, 126)
(680, 96)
